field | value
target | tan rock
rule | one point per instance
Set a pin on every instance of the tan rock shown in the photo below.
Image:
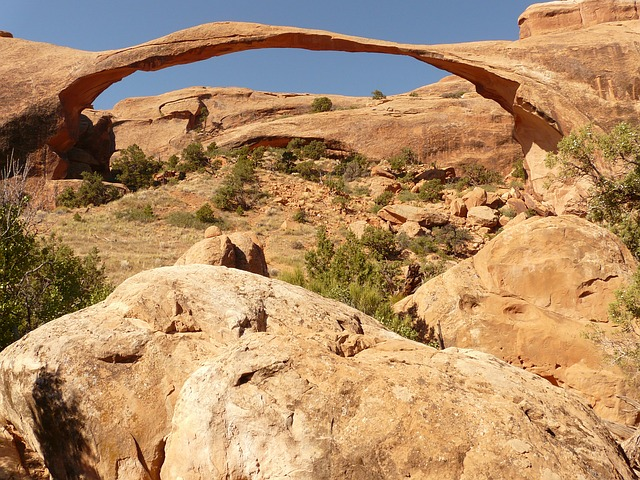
(382, 171)
(212, 231)
(218, 250)
(379, 185)
(564, 16)
(358, 228)
(534, 79)
(241, 250)
(482, 216)
(458, 208)
(426, 216)
(249, 253)
(279, 383)
(529, 297)
(412, 229)
(475, 198)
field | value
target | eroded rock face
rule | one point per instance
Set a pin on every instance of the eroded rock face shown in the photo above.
(446, 123)
(567, 15)
(206, 372)
(529, 297)
(550, 84)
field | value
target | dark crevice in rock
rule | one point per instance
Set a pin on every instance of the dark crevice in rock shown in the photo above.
(120, 358)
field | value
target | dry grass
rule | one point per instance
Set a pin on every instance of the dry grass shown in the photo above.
(127, 246)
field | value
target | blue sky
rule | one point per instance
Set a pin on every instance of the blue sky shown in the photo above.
(105, 25)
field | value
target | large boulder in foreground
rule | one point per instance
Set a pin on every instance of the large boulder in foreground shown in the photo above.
(199, 372)
(529, 297)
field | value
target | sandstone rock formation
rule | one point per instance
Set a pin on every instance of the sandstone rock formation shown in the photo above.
(529, 297)
(567, 15)
(198, 372)
(551, 84)
(241, 250)
(433, 121)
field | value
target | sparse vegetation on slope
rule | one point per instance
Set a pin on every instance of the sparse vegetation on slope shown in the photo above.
(40, 278)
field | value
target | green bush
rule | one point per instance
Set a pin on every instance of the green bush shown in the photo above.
(308, 170)
(183, 219)
(384, 198)
(238, 191)
(142, 214)
(400, 162)
(431, 191)
(380, 242)
(614, 199)
(352, 167)
(40, 279)
(352, 275)
(92, 191)
(474, 175)
(205, 214)
(300, 216)
(134, 169)
(378, 95)
(321, 104)
(194, 159)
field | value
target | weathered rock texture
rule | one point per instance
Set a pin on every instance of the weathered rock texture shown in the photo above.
(567, 15)
(241, 250)
(529, 297)
(199, 372)
(440, 129)
(550, 83)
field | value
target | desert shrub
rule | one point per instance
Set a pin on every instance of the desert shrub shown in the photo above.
(40, 279)
(384, 198)
(518, 169)
(238, 191)
(314, 150)
(308, 170)
(300, 216)
(205, 214)
(335, 184)
(353, 166)
(92, 191)
(457, 94)
(474, 174)
(451, 238)
(623, 346)
(321, 104)
(195, 159)
(381, 243)
(352, 275)
(431, 191)
(400, 162)
(378, 95)
(611, 162)
(182, 219)
(286, 162)
(135, 169)
(140, 214)
(418, 245)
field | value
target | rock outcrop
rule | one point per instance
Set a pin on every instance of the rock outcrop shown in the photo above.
(206, 372)
(568, 15)
(529, 297)
(551, 84)
(241, 250)
(446, 123)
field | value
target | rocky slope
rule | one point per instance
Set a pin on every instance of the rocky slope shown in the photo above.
(446, 123)
(265, 380)
(550, 83)
(529, 297)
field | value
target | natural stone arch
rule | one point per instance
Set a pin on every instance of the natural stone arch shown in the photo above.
(550, 83)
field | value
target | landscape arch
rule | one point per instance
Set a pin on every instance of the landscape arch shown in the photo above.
(535, 81)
